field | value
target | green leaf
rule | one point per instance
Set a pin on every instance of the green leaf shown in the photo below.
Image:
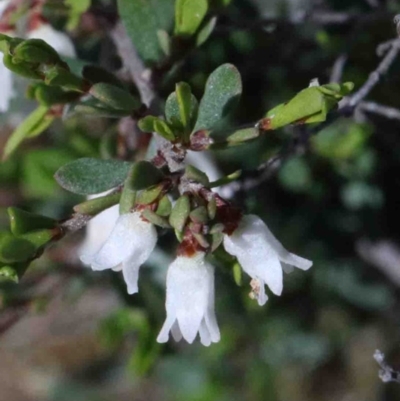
(14, 250)
(164, 41)
(180, 213)
(60, 76)
(97, 205)
(8, 273)
(91, 176)
(77, 8)
(51, 95)
(114, 97)
(22, 221)
(142, 20)
(311, 105)
(188, 15)
(155, 124)
(243, 135)
(163, 129)
(206, 31)
(164, 206)
(94, 108)
(146, 124)
(173, 109)
(223, 89)
(143, 175)
(127, 201)
(149, 195)
(40, 238)
(155, 219)
(237, 274)
(184, 98)
(199, 215)
(23, 69)
(194, 174)
(32, 126)
(35, 51)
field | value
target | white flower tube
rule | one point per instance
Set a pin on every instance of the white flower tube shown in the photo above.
(129, 245)
(98, 229)
(60, 41)
(261, 255)
(190, 301)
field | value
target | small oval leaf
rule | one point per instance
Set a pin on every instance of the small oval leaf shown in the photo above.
(91, 176)
(223, 89)
(188, 15)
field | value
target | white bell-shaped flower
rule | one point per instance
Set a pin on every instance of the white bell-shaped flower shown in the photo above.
(99, 228)
(262, 256)
(129, 245)
(60, 41)
(190, 301)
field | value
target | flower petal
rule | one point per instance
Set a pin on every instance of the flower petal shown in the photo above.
(144, 238)
(97, 231)
(210, 318)
(119, 245)
(262, 297)
(297, 261)
(287, 268)
(163, 336)
(285, 256)
(255, 253)
(205, 337)
(189, 282)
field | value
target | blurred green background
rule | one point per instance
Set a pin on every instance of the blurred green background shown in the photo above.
(71, 334)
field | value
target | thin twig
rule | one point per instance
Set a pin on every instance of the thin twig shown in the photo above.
(380, 109)
(75, 223)
(133, 63)
(337, 69)
(376, 75)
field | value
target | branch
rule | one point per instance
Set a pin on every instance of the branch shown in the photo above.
(376, 75)
(337, 69)
(380, 109)
(133, 63)
(75, 223)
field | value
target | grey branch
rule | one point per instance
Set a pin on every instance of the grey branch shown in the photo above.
(380, 109)
(386, 373)
(133, 63)
(75, 223)
(376, 75)
(337, 69)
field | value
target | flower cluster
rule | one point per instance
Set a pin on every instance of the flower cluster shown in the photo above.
(190, 278)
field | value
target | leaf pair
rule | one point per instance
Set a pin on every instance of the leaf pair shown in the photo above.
(185, 116)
